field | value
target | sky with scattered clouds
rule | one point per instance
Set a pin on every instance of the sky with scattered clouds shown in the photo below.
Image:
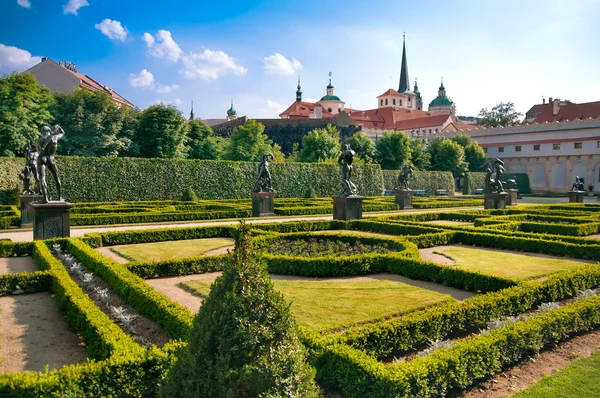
(176, 52)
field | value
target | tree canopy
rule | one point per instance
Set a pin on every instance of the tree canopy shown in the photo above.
(363, 146)
(320, 145)
(201, 142)
(249, 142)
(500, 115)
(393, 149)
(161, 132)
(24, 110)
(447, 155)
(418, 154)
(475, 156)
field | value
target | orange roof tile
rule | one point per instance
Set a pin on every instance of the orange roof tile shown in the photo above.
(91, 84)
(568, 111)
(391, 92)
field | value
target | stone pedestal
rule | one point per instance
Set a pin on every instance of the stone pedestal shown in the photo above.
(511, 199)
(347, 207)
(51, 220)
(26, 211)
(404, 198)
(495, 200)
(263, 204)
(576, 196)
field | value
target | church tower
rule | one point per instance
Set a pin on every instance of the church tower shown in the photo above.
(419, 100)
(299, 92)
(231, 112)
(404, 82)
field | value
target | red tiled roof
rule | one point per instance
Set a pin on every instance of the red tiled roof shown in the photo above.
(391, 92)
(566, 111)
(422, 122)
(91, 84)
(385, 118)
(301, 109)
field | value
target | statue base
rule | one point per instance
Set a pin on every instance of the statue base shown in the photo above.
(511, 199)
(576, 196)
(26, 211)
(263, 204)
(347, 207)
(51, 220)
(495, 200)
(404, 198)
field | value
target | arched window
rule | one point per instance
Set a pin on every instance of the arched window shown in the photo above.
(394, 101)
(386, 101)
(381, 102)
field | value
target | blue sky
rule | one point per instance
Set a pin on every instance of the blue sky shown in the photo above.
(208, 52)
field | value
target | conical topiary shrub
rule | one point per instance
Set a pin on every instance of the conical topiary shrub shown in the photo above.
(189, 195)
(244, 341)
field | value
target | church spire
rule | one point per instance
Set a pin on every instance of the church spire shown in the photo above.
(299, 91)
(404, 82)
(192, 112)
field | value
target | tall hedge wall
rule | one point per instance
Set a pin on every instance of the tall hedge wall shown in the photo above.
(427, 180)
(475, 181)
(126, 179)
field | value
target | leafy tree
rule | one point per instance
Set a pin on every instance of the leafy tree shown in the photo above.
(161, 132)
(447, 155)
(92, 123)
(501, 115)
(129, 125)
(244, 341)
(418, 154)
(363, 146)
(201, 142)
(393, 149)
(475, 157)
(23, 111)
(320, 145)
(249, 142)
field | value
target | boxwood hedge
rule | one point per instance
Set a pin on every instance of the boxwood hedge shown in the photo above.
(430, 181)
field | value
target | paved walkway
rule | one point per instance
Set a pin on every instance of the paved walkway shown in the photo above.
(27, 236)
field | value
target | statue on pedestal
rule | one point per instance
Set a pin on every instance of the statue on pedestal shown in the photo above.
(29, 171)
(346, 158)
(493, 177)
(405, 176)
(263, 182)
(579, 184)
(46, 148)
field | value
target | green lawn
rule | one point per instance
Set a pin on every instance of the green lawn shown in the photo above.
(506, 264)
(451, 223)
(161, 251)
(578, 380)
(333, 305)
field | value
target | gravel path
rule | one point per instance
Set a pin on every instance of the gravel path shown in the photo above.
(14, 265)
(112, 255)
(169, 287)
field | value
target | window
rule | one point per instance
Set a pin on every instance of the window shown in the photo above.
(394, 101)
(500, 149)
(386, 101)
(598, 141)
(485, 150)
(536, 147)
(436, 130)
(381, 102)
(556, 147)
(578, 145)
(598, 144)
(329, 109)
(518, 148)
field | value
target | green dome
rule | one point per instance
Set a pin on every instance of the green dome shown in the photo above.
(329, 85)
(231, 111)
(441, 101)
(330, 98)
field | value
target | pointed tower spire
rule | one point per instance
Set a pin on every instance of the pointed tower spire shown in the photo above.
(192, 112)
(299, 91)
(404, 81)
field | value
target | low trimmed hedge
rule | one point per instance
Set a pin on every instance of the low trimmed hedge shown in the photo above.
(25, 282)
(430, 181)
(178, 267)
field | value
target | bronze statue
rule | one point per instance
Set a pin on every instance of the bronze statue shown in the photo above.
(29, 171)
(263, 182)
(46, 147)
(346, 158)
(493, 177)
(405, 176)
(578, 185)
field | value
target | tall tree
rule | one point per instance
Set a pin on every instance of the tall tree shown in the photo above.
(418, 154)
(162, 132)
(363, 146)
(92, 123)
(23, 111)
(501, 115)
(447, 155)
(249, 142)
(129, 125)
(201, 142)
(475, 157)
(320, 145)
(393, 149)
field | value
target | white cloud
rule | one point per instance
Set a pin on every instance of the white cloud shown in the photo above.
(144, 79)
(163, 46)
(74, 5)
(210, 65)
(166, 89)
(112, 29)
(279, 65)
(15, 59)
(24, 3)
(178, 101)
(271, 109)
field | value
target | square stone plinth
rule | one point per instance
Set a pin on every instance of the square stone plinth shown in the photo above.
(495, 200)
(404, 198)
(263, 204)
(26, 210)
(347, 207)
(51, 220)
(511, 199)
(576, 196)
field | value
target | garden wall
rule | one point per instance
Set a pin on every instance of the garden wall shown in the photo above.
(427, 180)
(88, 179)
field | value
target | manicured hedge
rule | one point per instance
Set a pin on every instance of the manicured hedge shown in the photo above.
(178, 267)
(25, 282)
(430, 181)
(127, 179)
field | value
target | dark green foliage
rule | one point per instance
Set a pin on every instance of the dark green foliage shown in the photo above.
(363, 146)
(177, 267)
(25, 282)
(418, 154)
(23, 111)
(393, 149)
(201, 143)
(189, 195)
(249, 143)
(161, 132)
(503, 114)
(430, 181)
(320, 145)
(447, 155)
(310, 193)
(244, 340)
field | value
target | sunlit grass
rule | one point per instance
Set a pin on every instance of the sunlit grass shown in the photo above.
(160, 251)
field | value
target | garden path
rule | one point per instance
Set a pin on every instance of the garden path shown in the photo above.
(170, 287)
(14, 265)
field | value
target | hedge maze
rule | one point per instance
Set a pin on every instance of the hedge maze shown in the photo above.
(445, 347)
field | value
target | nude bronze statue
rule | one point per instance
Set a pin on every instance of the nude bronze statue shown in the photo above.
(263, 182)
(30, 171)
(405, 176)
(346, 158)
(46, 148)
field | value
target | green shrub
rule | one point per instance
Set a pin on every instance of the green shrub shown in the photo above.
(244, 340)
(310, 193)
(189, 195)
(430, 181)
(25, 282)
